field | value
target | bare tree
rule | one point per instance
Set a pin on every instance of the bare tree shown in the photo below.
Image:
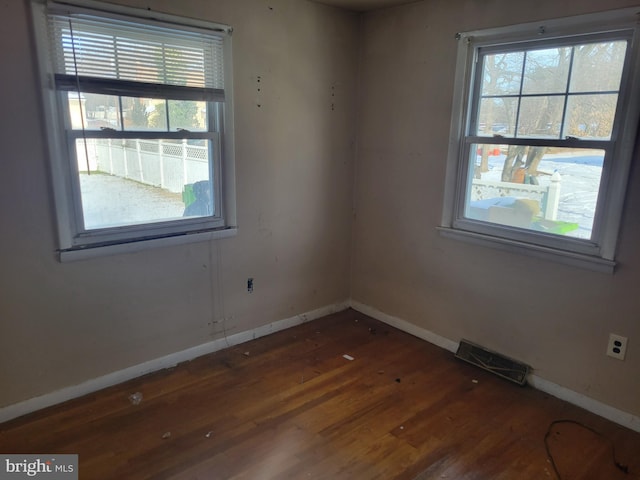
(543, 87)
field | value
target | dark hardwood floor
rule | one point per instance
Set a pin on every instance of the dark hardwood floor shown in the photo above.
(290, 406)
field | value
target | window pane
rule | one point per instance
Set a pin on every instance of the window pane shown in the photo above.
(94, 111)
(597, 67)
(540, 116)
(547, 71)
(543, 189)
(157, 115)
(591, 116)
(501, 73)
(134, 181)
(144, 114)
(187, 115)
(139, 114)
(552, 78)
(497, 116)
(150, 114)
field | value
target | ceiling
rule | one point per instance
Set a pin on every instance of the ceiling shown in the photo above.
(364, 5)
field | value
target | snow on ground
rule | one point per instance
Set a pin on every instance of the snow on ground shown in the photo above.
(109, 201)
(113, 201)
(579, 187)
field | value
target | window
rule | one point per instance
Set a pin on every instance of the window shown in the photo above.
(139, 118)
(543, 128)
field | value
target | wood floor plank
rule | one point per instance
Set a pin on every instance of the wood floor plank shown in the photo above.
(291, 406)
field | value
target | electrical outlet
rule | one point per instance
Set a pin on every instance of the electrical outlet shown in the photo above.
(617, 346)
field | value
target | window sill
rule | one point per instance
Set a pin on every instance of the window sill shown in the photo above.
(84, 253)
(567, 258)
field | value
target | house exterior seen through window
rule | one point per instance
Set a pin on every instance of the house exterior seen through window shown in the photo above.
(543, 128)
(139, 115)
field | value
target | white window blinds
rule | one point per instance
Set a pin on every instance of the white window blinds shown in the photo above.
(104, 48)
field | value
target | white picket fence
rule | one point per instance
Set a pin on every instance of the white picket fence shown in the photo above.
(162, 163)
(547, 196)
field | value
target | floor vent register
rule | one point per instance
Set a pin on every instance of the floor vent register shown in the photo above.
(496, 363)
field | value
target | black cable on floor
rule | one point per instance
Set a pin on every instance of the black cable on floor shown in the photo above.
(619, 466)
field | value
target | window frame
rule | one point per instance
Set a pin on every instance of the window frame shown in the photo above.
(599, 252)
(77, 242)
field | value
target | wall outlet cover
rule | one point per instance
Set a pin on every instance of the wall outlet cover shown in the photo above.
(617, 347)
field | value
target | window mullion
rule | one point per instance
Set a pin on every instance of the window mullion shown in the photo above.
(517, 123)
(566, 97)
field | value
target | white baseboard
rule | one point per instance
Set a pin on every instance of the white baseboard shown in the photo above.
(405, 326)
(594, 406)
(620, 417)
(28, 406)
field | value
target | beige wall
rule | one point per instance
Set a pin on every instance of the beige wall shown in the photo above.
(556, 318)
(62, 324)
